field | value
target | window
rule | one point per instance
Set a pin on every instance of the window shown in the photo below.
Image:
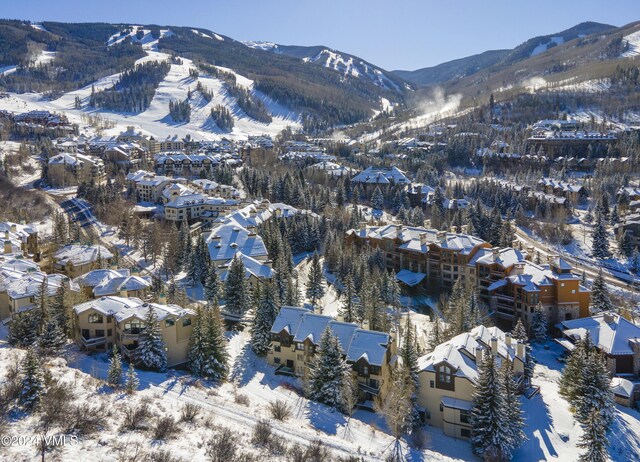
(432, 384)
(573, 291)
(300, 346)
(186, 322)
(465, 433)
(441, 407)
(109, 332)
(277, 348)
(300, 357)
(276, 360)
(95, 318)
(365, 370)
(169, 322)
(444, 374)
(465, 416)
(99, 333)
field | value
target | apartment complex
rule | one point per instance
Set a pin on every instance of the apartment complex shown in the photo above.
(505, 279)
(72, 169)
(295, 337)
(448, 376)
(120, 321)
(22, 238)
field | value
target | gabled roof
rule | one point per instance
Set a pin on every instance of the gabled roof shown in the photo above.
(460, 351)
(97, 276)
(81, 254)
(252, 267)
(116, 285)
(610, 332)
(226, 240)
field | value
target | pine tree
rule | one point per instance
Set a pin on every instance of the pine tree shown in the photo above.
(539, 324)
(32, 388)
(377, 199)
(115, 375)
(59, 311)
(489, 432)
(519, 333)
(212, 284)
(216, 359)
(507, 235)
(594, 439)
(572, 373)
(349, 308)
(600, 245)
(634, 263)
(236, 295)
(132, 381)
(436, 336)
(514, 419)
(409, 356)
(593, 390)
(151, 353)
(315, 284)
(193, 268)
(600, 300)
(626, 246)
(397, 409)
(265, 316)
(23, 329)
(52, 339)
(328, 373)
(197, 345)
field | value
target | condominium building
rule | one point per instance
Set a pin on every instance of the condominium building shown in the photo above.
(72, 169)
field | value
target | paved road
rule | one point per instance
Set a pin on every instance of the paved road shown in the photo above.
(615, 278)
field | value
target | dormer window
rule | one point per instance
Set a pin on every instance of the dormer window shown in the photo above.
(444, 377)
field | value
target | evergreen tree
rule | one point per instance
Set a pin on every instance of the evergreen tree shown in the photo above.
(594, 439)
(377, 199)
(265, 316)
(397, 409)
(212, 284)
(519, 333)
(236, 294)
(52, 339)
(349, 308)
(23, 329)
(626, 246)
(634, 263)
(507, 235)
(315, 284)
(193, 268)
(436, 336)
(59, 311)
(115, 375)
(328, 373)
(539, 324)
(490, 437)
(132, 381)
(32, 388)
(151, 353)
(216, 359)
(197, 345)
(514, 419)
(593, 390)
(600, 300)
(409, 356)
(600, 245)
(572, 373)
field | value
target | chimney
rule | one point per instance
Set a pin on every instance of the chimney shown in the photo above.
(7, 247)
(608, 317)
(478, 354)
(465, 229)
(124, 293)
(516, 244)
(14, 227)
(6, 234)
(496, 252)
(441, 234)
(520, 349)
(339, 318)
(135, 271)
(113, 265)
(365, 324)
(423, 239)
(162, 298)
(453, 229)
(507, 339)
(494, 346)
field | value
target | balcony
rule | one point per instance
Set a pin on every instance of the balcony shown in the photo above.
(370, 386)
(93, 342)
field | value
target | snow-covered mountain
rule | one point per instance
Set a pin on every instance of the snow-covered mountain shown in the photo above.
(343, 63)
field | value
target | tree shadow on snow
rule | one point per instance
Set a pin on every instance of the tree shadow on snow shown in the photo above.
(324, 418)
(622, 439)
(538, 426)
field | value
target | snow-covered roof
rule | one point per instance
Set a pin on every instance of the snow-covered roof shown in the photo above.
(610, 332)
(506, 257)
(30, 283)
(228, 239)
(252, 267)
(97, 276)
(118, 284)
(460, 351)
(18, 263)
(73, 159)
(381, 176)
(410, 278)
(356, 343)
(123, 308)
(81, 254)
(623, 387)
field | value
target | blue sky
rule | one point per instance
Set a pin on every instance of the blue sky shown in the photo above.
(397, 34)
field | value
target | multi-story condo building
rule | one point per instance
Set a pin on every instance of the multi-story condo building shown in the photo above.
(189, 165)
(72, 169)
(102, 282)
(23, 237)
(504, 278)
(148, 186)
(295, 337)
(110, 320)
(448, 376)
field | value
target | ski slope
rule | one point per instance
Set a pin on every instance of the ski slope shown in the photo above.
(155, 119)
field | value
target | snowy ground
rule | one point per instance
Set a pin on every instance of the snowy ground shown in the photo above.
(552, 433)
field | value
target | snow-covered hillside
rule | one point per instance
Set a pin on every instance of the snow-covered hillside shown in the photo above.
(633, 40)
(541, 48)
(155, 119)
